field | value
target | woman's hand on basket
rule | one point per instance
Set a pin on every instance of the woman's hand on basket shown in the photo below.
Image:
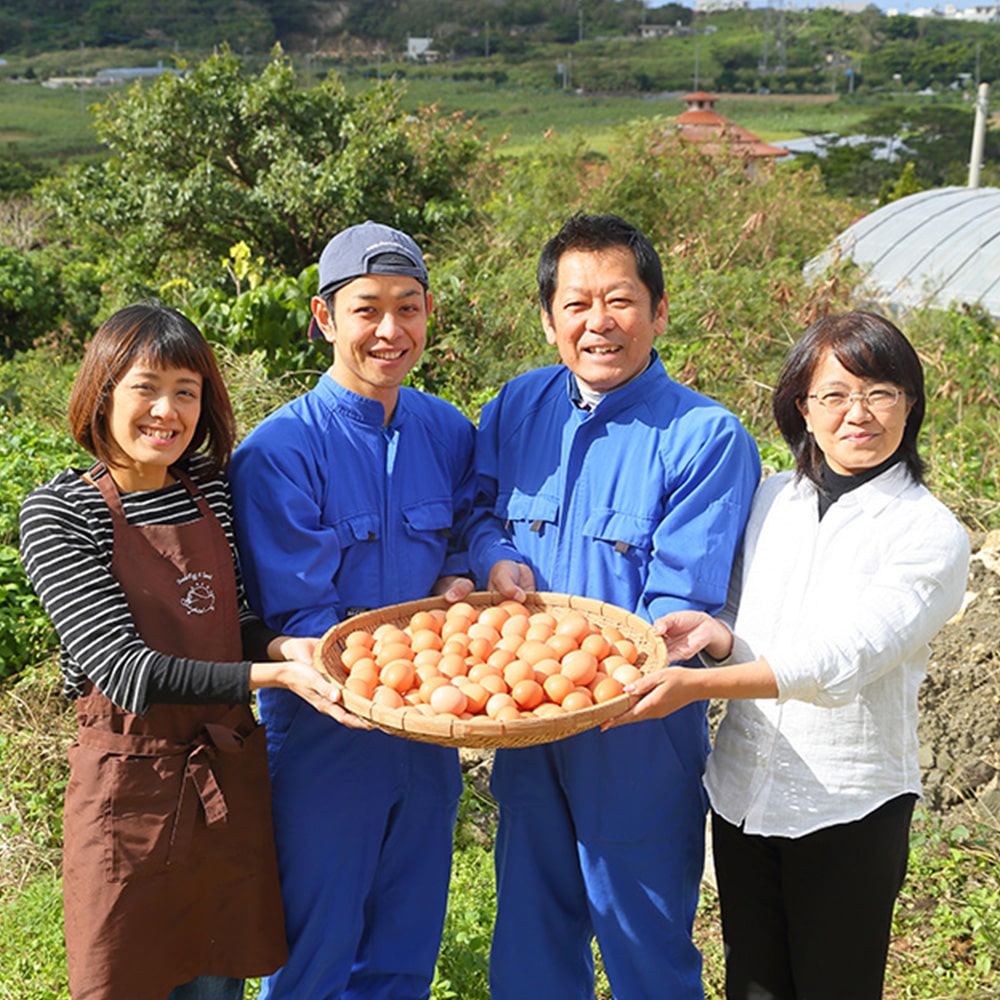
(687, 633)
(657, 694)
(294, 672)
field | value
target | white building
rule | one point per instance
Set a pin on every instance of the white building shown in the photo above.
(419, 50)
(714, 6)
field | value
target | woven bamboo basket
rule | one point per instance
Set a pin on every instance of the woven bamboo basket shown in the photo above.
(482, 731)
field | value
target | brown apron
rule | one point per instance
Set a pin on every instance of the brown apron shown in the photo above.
(169, 869)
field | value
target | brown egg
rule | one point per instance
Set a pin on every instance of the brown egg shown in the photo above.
(387, 697)
(518, 671)
(607, 689)
(626, 648)
(452, 664)
(527, 694)
(476, 696)
(626, 674)
(499, 701)
(360, 686)
(515, 625)
(424, 621)
(577, 699)
(557, 687)
(574, 624)
(425, 638)
(596, 643)
(430, 685)
(493, 617)
(448, 699)
(494, 683)
(579, 666)
(393, 651)
(398, 675)
(360, 638)
(532, 651)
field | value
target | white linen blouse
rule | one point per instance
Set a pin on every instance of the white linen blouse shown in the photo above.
(843, 610)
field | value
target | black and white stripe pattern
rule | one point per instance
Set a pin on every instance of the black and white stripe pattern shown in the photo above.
(66, 546)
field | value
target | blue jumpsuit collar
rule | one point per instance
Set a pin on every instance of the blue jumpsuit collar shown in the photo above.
(624, 395)
(354, 405)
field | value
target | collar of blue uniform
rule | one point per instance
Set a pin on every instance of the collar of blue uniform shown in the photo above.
(581, 400)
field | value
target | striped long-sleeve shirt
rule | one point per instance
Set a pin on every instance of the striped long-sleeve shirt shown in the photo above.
(67, 542)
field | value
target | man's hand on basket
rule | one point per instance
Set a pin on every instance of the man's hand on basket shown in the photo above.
(453, 588)
(513, 580)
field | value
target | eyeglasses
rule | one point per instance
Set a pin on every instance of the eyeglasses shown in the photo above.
(882, 397)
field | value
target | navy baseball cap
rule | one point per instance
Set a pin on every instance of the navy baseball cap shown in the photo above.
(368, 248)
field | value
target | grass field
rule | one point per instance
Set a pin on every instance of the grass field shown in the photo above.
(523, 116)
(41, 123)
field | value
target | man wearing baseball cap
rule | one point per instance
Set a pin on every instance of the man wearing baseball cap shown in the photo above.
(354, 496)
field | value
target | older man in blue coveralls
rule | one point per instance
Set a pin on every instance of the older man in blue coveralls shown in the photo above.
(351, 497)
(603, 477)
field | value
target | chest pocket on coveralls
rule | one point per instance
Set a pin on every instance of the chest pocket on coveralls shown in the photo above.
(626, 535)
(527, 511)
(357, 528)
(432, 517)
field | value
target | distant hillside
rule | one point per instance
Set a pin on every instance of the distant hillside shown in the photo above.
(35, 25)
(526, 42)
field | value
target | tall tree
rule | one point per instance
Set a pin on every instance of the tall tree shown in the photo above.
(219, 154)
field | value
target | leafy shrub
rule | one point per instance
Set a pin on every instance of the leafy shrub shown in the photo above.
(29, 301)
(29, 454)
(266, 318)
(34, 446)
(226, 153)
(26, 634)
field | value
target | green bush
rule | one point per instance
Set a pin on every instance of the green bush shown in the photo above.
(29, 299)
(226, 153)
(34, 446)
(26, 635)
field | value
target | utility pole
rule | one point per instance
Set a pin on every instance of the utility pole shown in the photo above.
(486, 46)
(579, 15)
(978, 135)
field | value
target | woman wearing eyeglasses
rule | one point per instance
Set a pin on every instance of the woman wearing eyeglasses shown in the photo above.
(849, 567)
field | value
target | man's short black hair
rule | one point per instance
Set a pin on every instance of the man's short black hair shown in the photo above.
(593, 233)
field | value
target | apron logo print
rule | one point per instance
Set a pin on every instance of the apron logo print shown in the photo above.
(200, 597)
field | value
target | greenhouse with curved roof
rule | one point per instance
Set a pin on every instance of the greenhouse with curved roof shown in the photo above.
(935, 248)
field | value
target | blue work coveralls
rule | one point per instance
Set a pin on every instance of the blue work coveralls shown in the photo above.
(335, 514)
(640, 502)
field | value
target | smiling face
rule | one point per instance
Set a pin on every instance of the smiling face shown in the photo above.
(154, 414)
(858, 438)
(378, 329)
(603, 320)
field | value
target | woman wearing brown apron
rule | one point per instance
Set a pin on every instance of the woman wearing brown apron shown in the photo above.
(170, 881)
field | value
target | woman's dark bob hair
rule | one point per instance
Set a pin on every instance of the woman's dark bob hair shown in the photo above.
(868, 346)
(162, 338)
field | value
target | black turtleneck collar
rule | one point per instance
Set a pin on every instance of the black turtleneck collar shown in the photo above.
(835, 485)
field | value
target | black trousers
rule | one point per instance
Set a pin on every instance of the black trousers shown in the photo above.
(809, 918)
